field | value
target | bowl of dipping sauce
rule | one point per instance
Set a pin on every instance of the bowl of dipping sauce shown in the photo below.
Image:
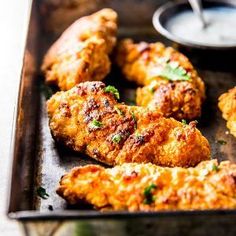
(178, 23)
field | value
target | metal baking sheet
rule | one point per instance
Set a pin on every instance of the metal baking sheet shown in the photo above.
(39, 161)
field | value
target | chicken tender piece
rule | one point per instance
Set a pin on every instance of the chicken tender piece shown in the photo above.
(171, 85)
(227, 104)
(89, 119)
(147, 187)
(82, 51)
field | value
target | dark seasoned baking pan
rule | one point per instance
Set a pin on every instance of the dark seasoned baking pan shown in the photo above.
(39, 161)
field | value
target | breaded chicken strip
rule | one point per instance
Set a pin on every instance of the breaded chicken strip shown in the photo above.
(227, 104)
(171, 85)
(82, 51)
(89, 119)
(148, 187)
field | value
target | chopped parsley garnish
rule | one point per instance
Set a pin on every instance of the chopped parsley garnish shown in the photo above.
(172, 71)
(152, 89)
(119, 111)
(46, 90)
(95, 124)
(134, 119)
(113, 90)
(221, 142)
(215, 168)
(116, 138)
(148, 194)
(42, 193)
(183, 121)
(131, 102)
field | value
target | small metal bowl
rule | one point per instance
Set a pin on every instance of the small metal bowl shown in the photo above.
(170, 9)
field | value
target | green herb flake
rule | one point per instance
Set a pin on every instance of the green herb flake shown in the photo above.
(116, 138)
(119, 111)
(46, 90)
(42, 193)
(113, 90)
(215, 168)
(95, 124)
(183, 121)
(221, 142)
(173, 71)
(131, 102)
(152, 90)
(134, 119)
(148, 194)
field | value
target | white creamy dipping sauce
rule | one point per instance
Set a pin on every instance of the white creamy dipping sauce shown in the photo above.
(220, 30)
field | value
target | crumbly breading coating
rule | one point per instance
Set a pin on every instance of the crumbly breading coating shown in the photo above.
(142, 63)
(148, 187)
(82, 51)
(89, 119)
(227, 104)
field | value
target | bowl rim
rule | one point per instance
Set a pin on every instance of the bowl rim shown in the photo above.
(164, 32)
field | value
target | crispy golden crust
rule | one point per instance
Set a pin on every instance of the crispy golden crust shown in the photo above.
(178, 99)
(124, 133)
(227, 104)
(147, 187)
(82, 51)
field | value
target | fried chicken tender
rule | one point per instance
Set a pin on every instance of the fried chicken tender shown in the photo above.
(82, 51)
(171, 85)
(89, 119)
(227, 104)
(148, 187)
